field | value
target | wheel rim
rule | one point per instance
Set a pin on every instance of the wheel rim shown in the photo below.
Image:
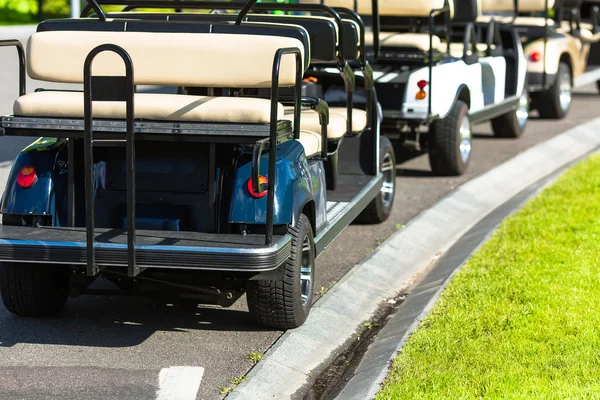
(306, 271)
(465, 139)
(565, 91)
(389, 181)
(523, 110)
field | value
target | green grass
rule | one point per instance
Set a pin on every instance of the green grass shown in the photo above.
(521, 320)
(9, 23)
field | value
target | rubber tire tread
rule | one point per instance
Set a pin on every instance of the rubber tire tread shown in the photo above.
(376, 212)
(33, 290)
(277, 303)
(548, 102)
(507, 126)
(444, 142)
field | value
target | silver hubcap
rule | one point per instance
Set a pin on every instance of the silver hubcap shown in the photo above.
(306, 271)
(387, 190)
(465, 139)
(523, 110)
(565, 91)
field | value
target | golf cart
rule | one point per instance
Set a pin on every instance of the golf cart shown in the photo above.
(438, 72)
(557, 37)
(213, 190)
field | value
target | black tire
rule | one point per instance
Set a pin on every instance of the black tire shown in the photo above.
(279, 304)
(548, 102)
(30, 290)
(509, 125)
(380, 208)
(445, 142)
(598, 85)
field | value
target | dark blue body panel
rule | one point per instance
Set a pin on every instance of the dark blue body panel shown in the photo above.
(296, 185)
(39, 199)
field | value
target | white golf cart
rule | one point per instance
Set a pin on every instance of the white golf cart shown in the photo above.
(438, 72)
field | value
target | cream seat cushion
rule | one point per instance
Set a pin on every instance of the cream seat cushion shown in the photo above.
(418, 41)
(409, 8)
(359, 117)
(338, 121)
(535, 5)
(151, 106)
(311, 141)
(588, 36)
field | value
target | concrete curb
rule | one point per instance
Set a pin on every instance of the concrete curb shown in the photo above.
(301, 354)
(365, 381)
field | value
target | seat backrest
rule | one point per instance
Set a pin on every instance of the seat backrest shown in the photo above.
(466, 11)
(323, 31)
(164, 53)
(399, 8)
(535, 6)
(497, 6)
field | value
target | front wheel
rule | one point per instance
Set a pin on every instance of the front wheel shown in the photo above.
(285, 304)
(380, 208)
(32, 290)
(512, 125)
(450, 142)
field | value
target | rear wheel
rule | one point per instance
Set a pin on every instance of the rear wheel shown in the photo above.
(380, 208)
(32, 290)
(512, 125)
(285, 304)
(555, 102)
(450, 142)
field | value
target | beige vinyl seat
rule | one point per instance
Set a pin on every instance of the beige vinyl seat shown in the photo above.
(183, 63)
(150, 106)
(338, 121)
(417, 41)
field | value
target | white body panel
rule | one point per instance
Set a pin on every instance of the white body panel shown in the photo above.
(446, 81)
(486, 81)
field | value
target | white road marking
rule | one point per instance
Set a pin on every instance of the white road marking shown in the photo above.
(179, 383)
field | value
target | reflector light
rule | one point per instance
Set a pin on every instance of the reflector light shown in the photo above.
(263, 184)
(421, 94)
(421, 84)
(27, 177)
(535, 56)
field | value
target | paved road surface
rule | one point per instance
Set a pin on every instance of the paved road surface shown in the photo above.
(113, 348)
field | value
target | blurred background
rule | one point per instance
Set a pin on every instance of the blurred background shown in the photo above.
(32, 11)
(15, 12)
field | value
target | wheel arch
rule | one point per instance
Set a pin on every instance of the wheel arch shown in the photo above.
(566, 58)
(310, 210)
(463, 93)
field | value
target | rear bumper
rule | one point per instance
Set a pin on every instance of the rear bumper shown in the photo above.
(154, 249)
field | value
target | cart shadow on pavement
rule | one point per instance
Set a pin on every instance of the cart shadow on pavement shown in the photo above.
(99, 321)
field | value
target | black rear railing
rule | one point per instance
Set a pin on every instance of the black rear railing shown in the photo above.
(107, 88)
(121, 88)
(22, 77)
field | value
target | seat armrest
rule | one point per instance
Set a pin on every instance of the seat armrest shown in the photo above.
(322, 108)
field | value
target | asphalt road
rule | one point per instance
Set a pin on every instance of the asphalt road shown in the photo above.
(116, 347)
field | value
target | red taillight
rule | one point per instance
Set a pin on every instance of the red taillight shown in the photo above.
(263, 184)
(421, 84)
(27, 177)
(535, 56)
